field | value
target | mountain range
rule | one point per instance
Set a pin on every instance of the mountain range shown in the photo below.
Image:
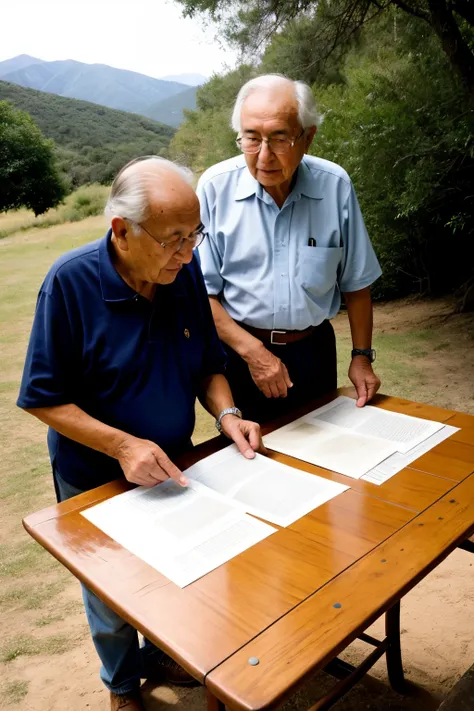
(160, 99)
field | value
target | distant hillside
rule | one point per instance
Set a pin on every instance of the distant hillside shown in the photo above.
(189, 79)
(97, 83)
(170, 111)
(93, 142)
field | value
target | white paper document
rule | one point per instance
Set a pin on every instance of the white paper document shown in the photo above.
(398, 461)
(329, 446)
(263, 487)
(182, 532)
(404, 431)
(354, 441)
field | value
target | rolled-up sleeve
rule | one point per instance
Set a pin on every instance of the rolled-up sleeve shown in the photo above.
(359, 266)
(47, 376)
(209, 257)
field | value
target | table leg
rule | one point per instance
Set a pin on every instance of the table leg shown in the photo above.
(213, 703)
(394, 652)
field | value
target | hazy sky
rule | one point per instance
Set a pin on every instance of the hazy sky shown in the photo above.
(148, 36)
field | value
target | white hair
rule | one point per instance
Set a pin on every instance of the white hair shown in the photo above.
(307, 111)
(129, 192)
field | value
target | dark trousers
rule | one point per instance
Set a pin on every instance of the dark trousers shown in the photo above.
(311, 364)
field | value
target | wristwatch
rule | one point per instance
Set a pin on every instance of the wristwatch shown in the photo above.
(227, 411)
(367, 352)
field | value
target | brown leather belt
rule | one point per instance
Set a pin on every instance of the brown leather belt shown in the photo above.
(277, 337)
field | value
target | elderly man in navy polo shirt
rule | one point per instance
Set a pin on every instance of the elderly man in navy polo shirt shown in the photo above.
(286, 238)
(122, 343)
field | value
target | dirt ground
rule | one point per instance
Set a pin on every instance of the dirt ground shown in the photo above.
(437, 642)
(47, 661)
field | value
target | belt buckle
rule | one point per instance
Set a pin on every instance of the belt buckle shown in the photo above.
(276, 343)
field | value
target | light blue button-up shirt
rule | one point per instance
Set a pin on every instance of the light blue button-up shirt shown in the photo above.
(257, 256)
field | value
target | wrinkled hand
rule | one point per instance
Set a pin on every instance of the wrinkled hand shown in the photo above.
(144, 463)
(364, 379)
(269, 374)
(244, 433)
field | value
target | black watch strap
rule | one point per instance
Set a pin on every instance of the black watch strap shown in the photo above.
(367, 352)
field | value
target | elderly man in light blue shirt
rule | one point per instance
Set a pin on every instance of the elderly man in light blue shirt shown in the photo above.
(286, 238)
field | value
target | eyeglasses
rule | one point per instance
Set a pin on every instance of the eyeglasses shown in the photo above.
(252, 144)
(176, 245)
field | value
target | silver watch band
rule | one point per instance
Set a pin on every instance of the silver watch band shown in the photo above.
(227, 411)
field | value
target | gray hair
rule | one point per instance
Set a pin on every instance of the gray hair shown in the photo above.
(307, 111)
(129, 192)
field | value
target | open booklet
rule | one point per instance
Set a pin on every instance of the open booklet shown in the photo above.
(186, 532)
(183, 532)
(262, 486)
(403, 431)
(351, 440)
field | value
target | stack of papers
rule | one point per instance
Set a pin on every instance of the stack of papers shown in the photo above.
(366, 442)
(396, 462)
(186, 532)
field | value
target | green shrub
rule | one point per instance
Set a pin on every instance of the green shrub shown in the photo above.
(85, 202)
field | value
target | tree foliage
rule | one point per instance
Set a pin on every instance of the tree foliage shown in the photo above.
(29, 176)
(404, 131)
(295, 53)
(252, 23)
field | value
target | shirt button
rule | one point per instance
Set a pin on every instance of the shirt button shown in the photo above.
(283, 274)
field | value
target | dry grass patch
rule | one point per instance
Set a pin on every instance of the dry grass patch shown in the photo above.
(14, 691)
(26, 645)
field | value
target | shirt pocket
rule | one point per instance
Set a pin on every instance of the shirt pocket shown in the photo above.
(318, 268)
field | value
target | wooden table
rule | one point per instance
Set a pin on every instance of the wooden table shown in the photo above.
(298, 598)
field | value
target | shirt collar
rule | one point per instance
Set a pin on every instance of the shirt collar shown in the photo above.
(305, 185)
(112, 286)
(246, 185)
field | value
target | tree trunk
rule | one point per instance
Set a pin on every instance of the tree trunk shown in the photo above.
(457, 50)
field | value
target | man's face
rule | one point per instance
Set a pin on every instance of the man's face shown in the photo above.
(174, 215)
(161, 265)
(267, 114)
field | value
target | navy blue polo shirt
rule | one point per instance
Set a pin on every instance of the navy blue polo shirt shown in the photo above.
(131, 363)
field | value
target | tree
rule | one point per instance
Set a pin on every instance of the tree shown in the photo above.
(403, 130)
(251, 23)
(28, 173)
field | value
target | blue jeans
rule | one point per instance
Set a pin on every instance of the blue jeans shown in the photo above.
(116, 642)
